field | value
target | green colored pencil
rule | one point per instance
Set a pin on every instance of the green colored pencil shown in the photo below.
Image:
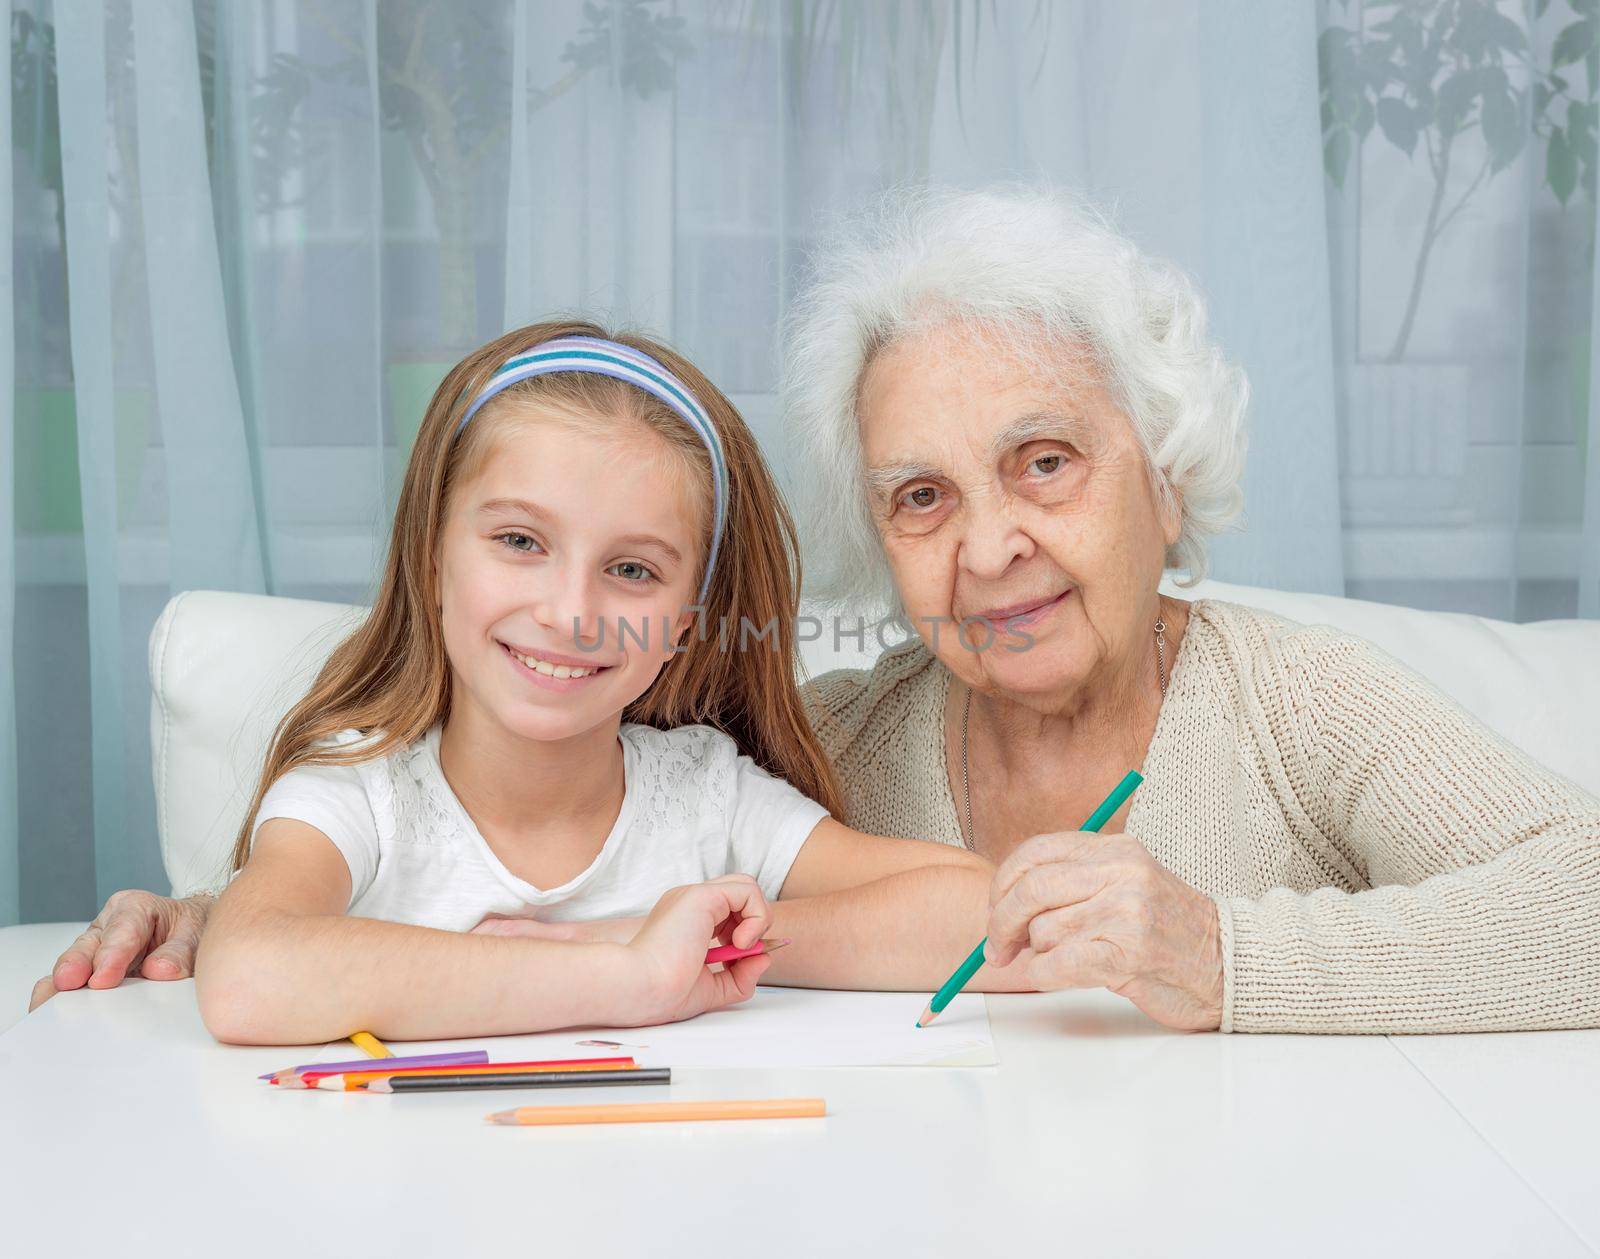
(969, 968)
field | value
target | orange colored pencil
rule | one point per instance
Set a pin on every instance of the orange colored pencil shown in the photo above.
(663, 1112)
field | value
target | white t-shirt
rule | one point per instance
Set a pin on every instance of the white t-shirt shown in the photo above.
(693, 809)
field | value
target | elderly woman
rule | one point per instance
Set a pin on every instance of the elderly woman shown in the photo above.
(1025, 424)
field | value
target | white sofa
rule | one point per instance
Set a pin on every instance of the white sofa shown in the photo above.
(224, 667)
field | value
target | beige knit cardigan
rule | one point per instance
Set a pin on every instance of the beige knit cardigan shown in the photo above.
(1380, 861)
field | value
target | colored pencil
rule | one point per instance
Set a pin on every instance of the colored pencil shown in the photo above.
(351, 1080)
(729, 953)
(370, 1045)
(459, 1057)
(663, 1112)
(519, 1080)
(970, 967)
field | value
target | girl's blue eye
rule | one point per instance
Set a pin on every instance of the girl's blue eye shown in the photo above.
(630, 570)
(518, 542)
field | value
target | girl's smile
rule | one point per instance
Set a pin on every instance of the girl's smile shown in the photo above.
(554, 672)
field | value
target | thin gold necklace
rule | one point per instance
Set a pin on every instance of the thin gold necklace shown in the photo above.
(970, 838)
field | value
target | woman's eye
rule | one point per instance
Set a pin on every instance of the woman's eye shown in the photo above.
(1046, 465)
(922, 498)
(518, 542)
(628, 570)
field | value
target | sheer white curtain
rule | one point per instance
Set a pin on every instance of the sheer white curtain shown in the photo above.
(10, 870)
(249, 238)
(1461, 154)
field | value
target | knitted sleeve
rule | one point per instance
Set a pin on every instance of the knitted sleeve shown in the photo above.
(1483, 906)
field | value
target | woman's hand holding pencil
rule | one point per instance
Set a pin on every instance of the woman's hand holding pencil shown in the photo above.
(1079, 909)
(1100, 912)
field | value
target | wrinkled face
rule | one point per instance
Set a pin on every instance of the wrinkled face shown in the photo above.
(1019, 506)
(564, 567)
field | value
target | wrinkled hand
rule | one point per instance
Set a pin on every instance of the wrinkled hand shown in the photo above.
(599, 931)
(671, 949)
(157, 934)
(1100, 912)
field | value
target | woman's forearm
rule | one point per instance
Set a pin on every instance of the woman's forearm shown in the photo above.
(264, 976)
(1511, 944)
(906, 932)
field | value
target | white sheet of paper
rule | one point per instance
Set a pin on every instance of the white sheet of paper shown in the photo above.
(778, 1027)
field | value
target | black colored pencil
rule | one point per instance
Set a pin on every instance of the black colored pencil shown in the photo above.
(518, 1080)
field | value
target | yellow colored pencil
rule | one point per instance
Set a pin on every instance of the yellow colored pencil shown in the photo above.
(664, 1112)
(370, 1045)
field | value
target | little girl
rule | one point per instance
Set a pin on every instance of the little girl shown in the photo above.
(573, 699)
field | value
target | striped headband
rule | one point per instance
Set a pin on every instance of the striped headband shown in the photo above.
(621, 362)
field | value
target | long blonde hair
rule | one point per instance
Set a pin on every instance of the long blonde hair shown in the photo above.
(390, 679)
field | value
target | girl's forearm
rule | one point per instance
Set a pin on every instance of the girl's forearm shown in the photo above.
(268, 977)
(906, 932)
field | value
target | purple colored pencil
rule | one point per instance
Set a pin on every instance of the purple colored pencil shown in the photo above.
(458, 1058)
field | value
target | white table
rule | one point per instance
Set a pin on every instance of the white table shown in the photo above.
(125, 1131)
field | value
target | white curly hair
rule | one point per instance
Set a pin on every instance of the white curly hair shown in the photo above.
(1038, 268)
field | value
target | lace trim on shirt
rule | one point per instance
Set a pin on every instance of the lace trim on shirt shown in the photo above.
(681, 779)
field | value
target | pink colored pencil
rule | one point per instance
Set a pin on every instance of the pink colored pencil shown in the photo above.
(729, 953)
(458, 1057)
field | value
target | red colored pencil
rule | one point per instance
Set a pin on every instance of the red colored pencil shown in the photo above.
(314, 1079)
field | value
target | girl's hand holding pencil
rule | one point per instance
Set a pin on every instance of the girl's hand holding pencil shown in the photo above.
(671, 949)
(604, 931)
